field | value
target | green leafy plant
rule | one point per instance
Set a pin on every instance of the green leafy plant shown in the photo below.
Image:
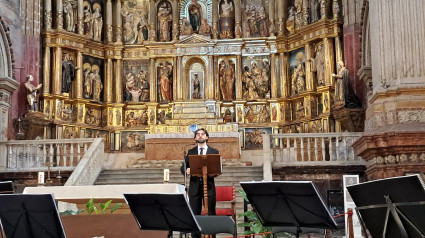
(91, 208)
(254, 222)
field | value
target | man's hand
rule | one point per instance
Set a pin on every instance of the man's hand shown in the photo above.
(188, 171)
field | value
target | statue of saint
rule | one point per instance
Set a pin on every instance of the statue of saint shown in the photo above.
(204, 28)
(195, 15)
(165, 82)
(245, 23)
(343, 90)
(97, 86)
(298, 76)
(164, 22)
(144, 86)
(69, 9)
(196, 87)
(226, 8)
(319, 65)
(315, 10)
(68, 73)
(263, 22)
(227, 80)
(32, 93)
(185, 27)
(97, 24)
(88, 83)
(88, 22)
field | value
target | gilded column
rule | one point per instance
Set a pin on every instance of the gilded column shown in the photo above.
(152, 79)
(238, 19)
(273, 76)
(329, 60)
(280, 16)
(323, 9)
(338, 49)
(238, 77)
(57, 71)
(152, 28)
(272, 17)
(215, 19)
(79, 74)
(308, 67)
(80, 15)
(48, 14)
(179, 78)
(118, 80)
(109, 21)
(175, 78)
(175, 20)
(209, 94)
(59, 16)
(47, 70)
(284, 71)
(118, 22)
(108, 82)
(217, 93)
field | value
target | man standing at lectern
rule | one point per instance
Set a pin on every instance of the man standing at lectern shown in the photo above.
(196, 190)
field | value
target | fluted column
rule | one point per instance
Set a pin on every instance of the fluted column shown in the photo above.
(59, 14)
(238, 77)
(215, 19)
(47, 70)
(107, 89)
(118, 80)
(79, 74)
(329, 60)
(48, 14)
(80, 16)
(152, 79)
(209, 93)
(118, 22)
(174, 78)
(238, 19)
(308, 67)
(271, 17)
(152, 28)
(179, 78)
(280, 16)
(175, 20)
(109, 21)
(273, 76)
(57, 71)
(284, 62)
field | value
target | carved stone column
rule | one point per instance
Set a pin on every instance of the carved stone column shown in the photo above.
(59, 14)
(281, 4)
(174, 78)
(107, 87)
(209, 92)
(79, 74)
(338, 49)
(47, 70)
(118, 80)
(238, 19)
(175, 20)
(152, 79)
(238, 77)
(179, 79)
(48, 14)
(109, 21)
(323, 8)
(80, 16)
(118, 22)
(284, 71)
(215, 19)
(308, 67)
(152, 21)
(273, 76)
(57, 71)
(394, 140)
(329, 60)
(272, 28)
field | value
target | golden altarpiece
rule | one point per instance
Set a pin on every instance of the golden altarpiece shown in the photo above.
(119, 69)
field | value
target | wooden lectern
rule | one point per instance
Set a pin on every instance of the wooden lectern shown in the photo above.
(204, 166)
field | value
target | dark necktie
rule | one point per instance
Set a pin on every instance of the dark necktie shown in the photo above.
(201, 151)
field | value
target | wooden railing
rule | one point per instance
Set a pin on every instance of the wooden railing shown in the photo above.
(315, 149)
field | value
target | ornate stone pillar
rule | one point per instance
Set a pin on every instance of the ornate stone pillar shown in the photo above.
(179, 79)
(47, 70)
(323, 8)
(209, 92)
(80, 16)
(57, 71)
(215, 19)
(308, 66)
(273, 76)
(107, 88)
(174, 78)
(175, 20)
(118, 80)
(152, 78)
(272, 17)
(109, 21)
(79, 74)
(281, 5)
(284, 72)
(48, 14)
(118, 22)
(152, 21)
(238, 77)
(238, 19)
(59, 14)
(329, 60)
(338, 49)
(394, 140)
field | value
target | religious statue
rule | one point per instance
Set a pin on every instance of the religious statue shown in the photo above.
(135, 94)
(227, 21)
(343, 90)
(88, 23)
(69, 9)
(195, 15)
(129, 84)
(97, 24)
(227, 80)
(245, 23)
(144, 86)
(185, 27)
(252, 21)
(32, 93)
(196, 87)
(88, 83)
(97, 85)
(68, 73)
(165, 81)
(249, 88)
(142, 32)
(204, 28)
(128, 32)
(164, 22)
(255, 138)
(298, 76)
(315, 10)
(318, 65)
(263, 22)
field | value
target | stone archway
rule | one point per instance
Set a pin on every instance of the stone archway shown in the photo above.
(365, 71)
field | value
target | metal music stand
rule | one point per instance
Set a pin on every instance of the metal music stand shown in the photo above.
(392, 207)
(166, 212)
(30, 215)
(288, 204)
(6, 187)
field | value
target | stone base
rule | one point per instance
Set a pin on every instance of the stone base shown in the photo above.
(33, 125)
(351, 119)
(392, 154)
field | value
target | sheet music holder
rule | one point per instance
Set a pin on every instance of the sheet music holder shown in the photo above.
(288, 204)
(392, 207)
(30, 215)
(167, 212)
(6, 187)
(211, 161)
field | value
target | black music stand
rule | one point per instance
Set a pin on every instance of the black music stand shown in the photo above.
(6, 187)
(165, 212)
(30, 215)
(288, 204)
(392, 207)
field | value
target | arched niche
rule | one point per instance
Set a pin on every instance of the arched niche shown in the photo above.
(6, 57)
(206, 9)
(195, 67)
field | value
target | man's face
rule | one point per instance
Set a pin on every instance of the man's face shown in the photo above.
(201, 137)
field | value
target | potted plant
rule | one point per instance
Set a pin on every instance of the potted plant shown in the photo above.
(253, 222)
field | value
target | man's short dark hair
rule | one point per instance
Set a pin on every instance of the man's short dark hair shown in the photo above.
(202, 129)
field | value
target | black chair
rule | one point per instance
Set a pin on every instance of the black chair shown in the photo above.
(293, 231)
(6, 187)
